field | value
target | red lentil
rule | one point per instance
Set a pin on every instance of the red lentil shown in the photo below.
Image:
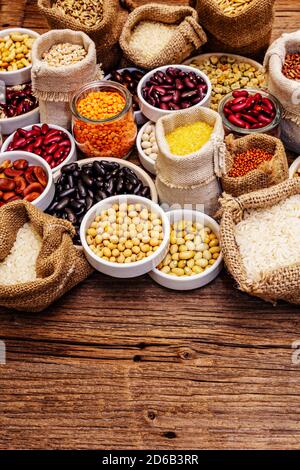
(104, 139)
(248, 161)
(291, 66)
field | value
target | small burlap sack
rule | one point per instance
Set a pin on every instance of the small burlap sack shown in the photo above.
(287, 91)
(265, 175)
(190, 179)
(105, 34)
(187, 37)
(59, 267)
(55, 86)
(278, 284)
(247, 33)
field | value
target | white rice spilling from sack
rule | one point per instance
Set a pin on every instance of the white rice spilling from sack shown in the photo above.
(19, 265)
(269, 238)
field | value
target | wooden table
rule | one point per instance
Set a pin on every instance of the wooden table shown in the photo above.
(126, 364)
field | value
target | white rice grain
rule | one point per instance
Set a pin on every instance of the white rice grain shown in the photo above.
(19, 265)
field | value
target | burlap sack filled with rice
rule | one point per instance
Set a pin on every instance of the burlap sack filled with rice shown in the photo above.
(241, 28)
(59, 265)
(190, 179)
(156, 35)
(55, 86)
(101, 20)
(259, 236)
(267, 174)
(287, 91)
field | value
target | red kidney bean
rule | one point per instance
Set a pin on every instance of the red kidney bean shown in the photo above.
(43, 141)
(19, 100)
(175, 89)
(32, 196)
(249, 110)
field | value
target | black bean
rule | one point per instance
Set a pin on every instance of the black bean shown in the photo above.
(99, 195)
(81, 189)
(71, 180)
(89, 202)
(138, 188)
(70, 214)
(66, 192)
(69, 168)
(87, 179)
(62, 204)
(76, 205)
(120, 184)
(98, 168)
(110, 166)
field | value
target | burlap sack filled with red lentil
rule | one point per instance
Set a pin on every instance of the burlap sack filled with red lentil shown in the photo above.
(267, 174)
(105, 34)
(246, 33)
(277, 284)
(190, 179)
(55, 86)
(59, 267)
(187, 37)
(286, 90)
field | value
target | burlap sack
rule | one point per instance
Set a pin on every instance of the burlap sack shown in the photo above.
(287, 91)
(190, 179)
(283, 283)
(60, 265)
(247, 33)
(55, 86)
(188, 36)
(265, 175)
(105, 34)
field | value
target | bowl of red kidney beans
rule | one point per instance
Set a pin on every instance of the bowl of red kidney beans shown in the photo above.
(20, 109)
(248, 111)
(53, 143)
(173, 88)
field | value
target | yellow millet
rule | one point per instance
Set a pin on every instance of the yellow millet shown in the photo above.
(189, 138)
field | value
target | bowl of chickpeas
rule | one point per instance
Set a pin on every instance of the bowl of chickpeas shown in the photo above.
(15, 55)
(194, 256)
(125, 236)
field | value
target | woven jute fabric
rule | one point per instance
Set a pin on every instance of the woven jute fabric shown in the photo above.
(187, 37)
(247, 33)
(105, 34)
(59, 267)
(267, 174)
(190, 179)
(55, 86)
(278, 284)
(287, 91)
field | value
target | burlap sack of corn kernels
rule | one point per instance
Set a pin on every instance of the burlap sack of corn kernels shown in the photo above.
(187, 37)
(287, 91)
(278, 284)
(267, 174)
(105, 34)
(55, 86)
(247, 33)
(190, 179)
(59, 267)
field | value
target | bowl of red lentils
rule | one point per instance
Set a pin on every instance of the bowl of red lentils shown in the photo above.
(103, 123)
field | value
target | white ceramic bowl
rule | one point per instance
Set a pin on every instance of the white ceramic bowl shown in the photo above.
(128, 270)
(23, 75)
(146, 179)
(140, 119)
(198, 280)
(72, 157)
(10, 125)
(45, 199)
(153, 113)
(294, 167)
(146, 161)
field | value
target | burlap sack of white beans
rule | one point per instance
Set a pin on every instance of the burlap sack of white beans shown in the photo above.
(287, 91)
(55, 86)
(190, 179)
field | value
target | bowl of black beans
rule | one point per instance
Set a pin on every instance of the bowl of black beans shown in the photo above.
(80, 185)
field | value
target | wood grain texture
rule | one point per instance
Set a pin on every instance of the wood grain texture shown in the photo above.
(129, 365)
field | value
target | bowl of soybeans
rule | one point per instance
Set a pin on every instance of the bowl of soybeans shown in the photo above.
(194, 257)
